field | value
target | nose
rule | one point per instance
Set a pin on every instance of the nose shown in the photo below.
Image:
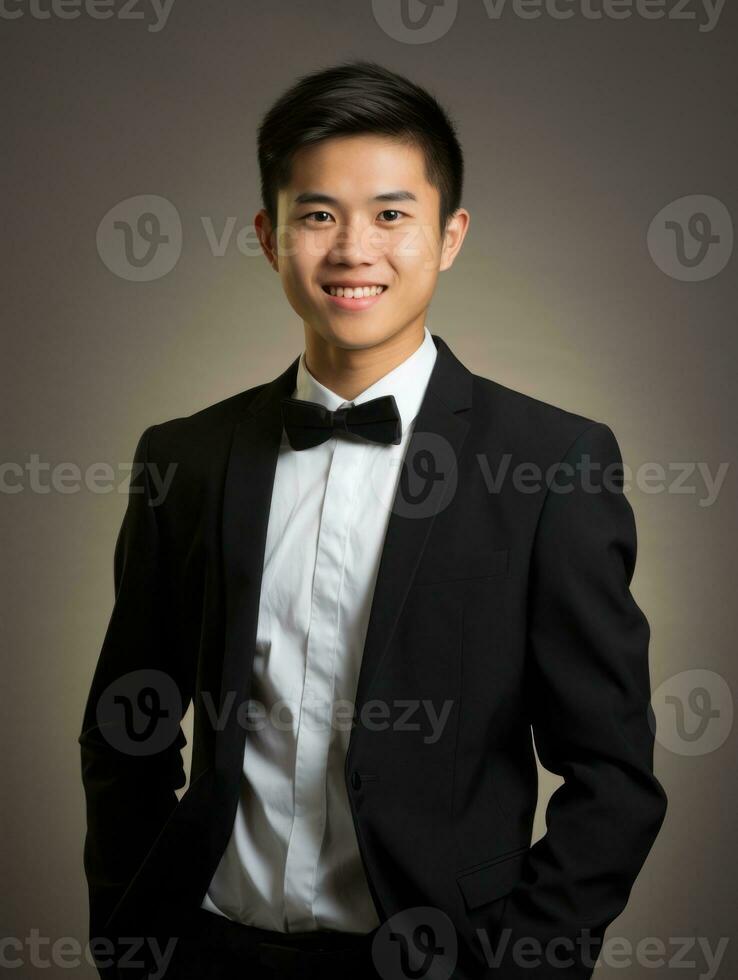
(355, 244)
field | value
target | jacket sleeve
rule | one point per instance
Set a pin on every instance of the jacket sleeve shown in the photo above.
(588, 688)
(129, 772)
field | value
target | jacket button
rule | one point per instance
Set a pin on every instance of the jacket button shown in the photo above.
(355, 780)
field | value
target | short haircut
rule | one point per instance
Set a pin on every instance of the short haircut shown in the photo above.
(353, 98)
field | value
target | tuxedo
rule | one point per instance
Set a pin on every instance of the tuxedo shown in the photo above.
(292, 862)
(501, 605)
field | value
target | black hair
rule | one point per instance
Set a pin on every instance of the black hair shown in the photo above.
(351, 98)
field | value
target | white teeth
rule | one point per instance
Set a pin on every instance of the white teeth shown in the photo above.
(355, 293)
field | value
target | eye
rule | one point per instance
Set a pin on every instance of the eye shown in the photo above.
(313, 219)
(312, 213)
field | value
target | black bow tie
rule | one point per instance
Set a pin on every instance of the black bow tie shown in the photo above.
(310, 423)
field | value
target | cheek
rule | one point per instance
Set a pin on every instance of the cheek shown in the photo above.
(416, 255)
(295, 290)
(419, 277)
(299, 250)
(297, 273)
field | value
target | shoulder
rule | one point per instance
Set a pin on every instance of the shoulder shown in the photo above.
(205, 427)
(195, 447)
(531, 426)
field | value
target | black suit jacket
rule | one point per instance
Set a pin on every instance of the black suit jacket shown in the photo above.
(511, 603)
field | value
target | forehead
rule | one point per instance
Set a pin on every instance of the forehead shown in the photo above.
(354, 169)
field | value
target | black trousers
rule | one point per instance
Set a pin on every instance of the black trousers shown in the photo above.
(212, 947)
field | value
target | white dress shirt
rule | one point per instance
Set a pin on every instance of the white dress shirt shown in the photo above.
(292, 862)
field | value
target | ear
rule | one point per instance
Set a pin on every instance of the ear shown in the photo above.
(456, 229)
(266, 234)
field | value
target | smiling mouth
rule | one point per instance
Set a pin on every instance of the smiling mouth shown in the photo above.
(360, 292)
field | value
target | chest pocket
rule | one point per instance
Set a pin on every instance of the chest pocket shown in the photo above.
(493, 879)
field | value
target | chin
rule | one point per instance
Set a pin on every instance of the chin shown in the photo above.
(355, 334)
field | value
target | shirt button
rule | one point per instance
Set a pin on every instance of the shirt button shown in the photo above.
(355, 780)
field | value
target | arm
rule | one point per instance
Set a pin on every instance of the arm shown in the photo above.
(589, 695)
(130, 786)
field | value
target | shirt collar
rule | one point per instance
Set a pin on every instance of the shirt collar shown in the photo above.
(407, 382)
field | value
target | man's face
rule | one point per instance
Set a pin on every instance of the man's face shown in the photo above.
(353, 229)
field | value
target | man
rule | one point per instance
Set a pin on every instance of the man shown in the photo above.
(376, 577)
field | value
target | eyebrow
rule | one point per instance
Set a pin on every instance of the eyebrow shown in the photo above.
(316, 197)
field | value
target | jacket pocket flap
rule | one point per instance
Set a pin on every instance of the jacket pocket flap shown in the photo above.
(493, 879)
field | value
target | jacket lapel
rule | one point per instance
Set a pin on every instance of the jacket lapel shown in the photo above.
(448, 394)
(246, 504)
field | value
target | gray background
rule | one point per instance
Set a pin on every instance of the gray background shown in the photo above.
(576, 133)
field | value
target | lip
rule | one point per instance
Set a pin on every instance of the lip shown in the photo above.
(353, 283)
(363, 303)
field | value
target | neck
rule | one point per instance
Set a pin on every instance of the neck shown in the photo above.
(349, 371)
